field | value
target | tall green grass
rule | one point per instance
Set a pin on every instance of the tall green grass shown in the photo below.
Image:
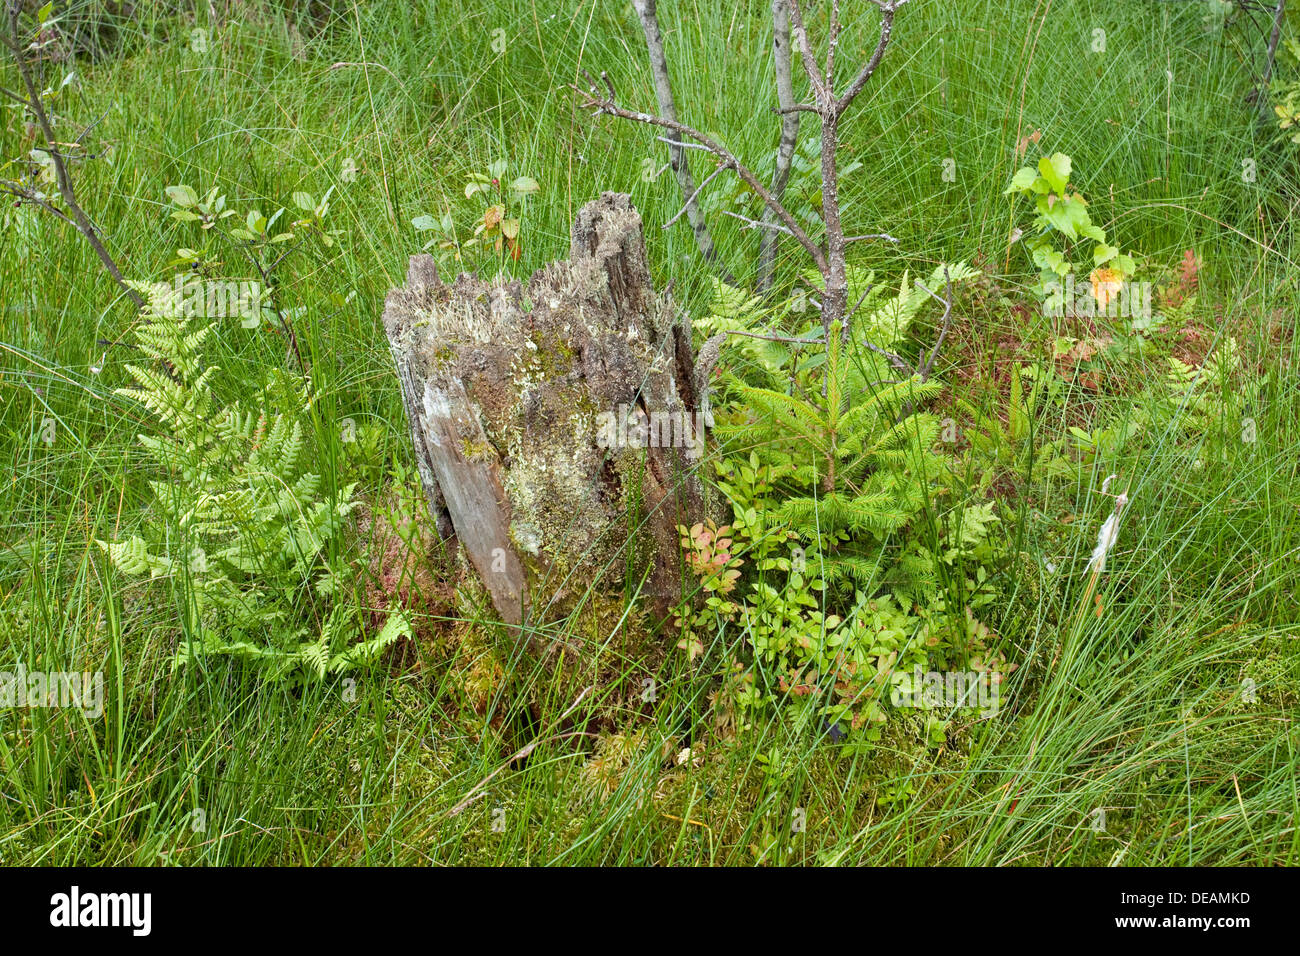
(1141, 716)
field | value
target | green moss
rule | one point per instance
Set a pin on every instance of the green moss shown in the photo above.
(476, 451)
(554, 354)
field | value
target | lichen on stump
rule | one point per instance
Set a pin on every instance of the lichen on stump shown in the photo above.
(513, 393)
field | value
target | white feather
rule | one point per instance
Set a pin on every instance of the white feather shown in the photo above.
(1106, 538)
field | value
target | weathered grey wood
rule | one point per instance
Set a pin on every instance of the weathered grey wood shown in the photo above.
(421, 275)
(508, 388)
(470, 485)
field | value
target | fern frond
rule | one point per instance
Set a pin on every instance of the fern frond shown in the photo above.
(395, 628)
(132, 557)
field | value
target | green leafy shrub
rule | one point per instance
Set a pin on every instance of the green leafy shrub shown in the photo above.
(497, 223)
(1063, 214)
(833, 471)
(850, 473)
(850, 459)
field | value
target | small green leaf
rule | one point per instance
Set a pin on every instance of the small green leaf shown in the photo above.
(1022, 180)
(182, 195)
(524, 185)
(1056, 170)
(1068, 215)
(1103, 253)
(304, 201)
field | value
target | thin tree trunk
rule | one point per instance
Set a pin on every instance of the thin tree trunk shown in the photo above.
(768, 241)
(645, 10)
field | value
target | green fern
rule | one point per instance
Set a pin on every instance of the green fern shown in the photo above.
(852, 467)
(239, 524)
(831, 468)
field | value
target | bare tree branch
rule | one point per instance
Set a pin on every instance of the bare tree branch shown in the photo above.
(1275, 35)
(757, 224)
(690, 200)
(862, 298)
(831, 45)
(832, 108)
(773, 338)
(23, 194)
(645, 10)
(681, 144)
(836, 271)
(800, 36)
(830, 258)
(796, 108)
(601, 103)
(886, 29)
(285, 324)
(893, 359)
(946, 321)
(64, 181)
(767, 245)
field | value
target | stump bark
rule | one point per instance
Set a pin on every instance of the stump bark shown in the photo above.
(557, 424)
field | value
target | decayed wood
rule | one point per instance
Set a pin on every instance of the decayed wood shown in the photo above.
(421, 275)
(509, 389)
(472, 493)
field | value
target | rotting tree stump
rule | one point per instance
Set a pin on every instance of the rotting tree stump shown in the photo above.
(557, 424)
